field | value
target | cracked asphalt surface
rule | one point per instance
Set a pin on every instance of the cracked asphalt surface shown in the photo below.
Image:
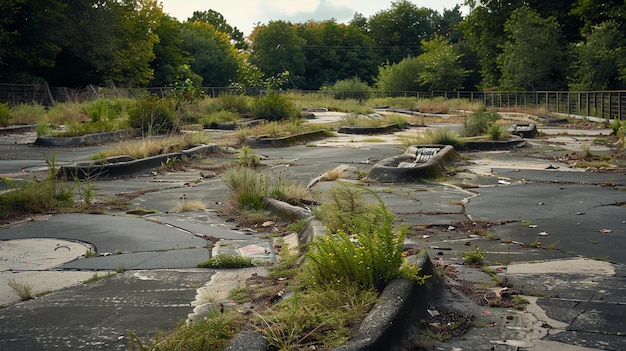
(574, 279)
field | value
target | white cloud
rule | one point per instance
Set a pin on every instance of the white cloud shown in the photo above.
(244, 14)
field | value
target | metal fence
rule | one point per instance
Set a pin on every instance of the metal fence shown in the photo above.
(602, 104)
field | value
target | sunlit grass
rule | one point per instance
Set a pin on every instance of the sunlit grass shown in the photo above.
(147, 147)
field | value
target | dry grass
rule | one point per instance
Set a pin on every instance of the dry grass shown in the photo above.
(334, 174)
(146, 147)
(188, 206)
(524, 110)
(22, 289)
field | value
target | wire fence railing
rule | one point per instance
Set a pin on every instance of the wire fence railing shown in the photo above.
(601, 104)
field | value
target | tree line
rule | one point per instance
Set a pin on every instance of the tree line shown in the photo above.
(504, 45)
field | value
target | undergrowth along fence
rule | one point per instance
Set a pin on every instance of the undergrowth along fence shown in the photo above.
(601, 104)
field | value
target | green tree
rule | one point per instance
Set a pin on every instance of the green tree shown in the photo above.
(483, 29)
(595, 12)
(137, 21)
(276, 48)
(219, 22)
(439, 66)
(534, 56)
(169, 55)
(105, 41)
(401, 76)
(599, 62)
(214, 58)
(399, 31)
(335, 52)
(28, 38)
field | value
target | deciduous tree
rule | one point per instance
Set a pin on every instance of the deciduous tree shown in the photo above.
(599, 62)
(214, 57)
(533, 55)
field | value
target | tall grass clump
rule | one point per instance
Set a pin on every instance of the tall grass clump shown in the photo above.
(362, 246)
(479, 122)
(221, 116)
(351, 88)
(274, 107)
(27, 113)
(44, 196)
(213, 333)
(146, 147)
(234, 103)
(439, 136)
(4, 114)
(248, 187)
(153, 116)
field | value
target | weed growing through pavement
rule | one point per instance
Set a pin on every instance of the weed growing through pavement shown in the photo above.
(474, 257)
(362, 248)
(22, 289)
(227, 261)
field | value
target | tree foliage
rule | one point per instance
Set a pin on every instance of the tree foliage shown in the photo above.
(439, 66)
(214, 58)
(500, 44)
(399, 31)
(533, 54)
(599, 61)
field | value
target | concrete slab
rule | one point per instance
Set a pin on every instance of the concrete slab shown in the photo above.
(162, 259)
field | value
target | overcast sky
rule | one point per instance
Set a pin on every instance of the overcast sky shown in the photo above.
(244, 14)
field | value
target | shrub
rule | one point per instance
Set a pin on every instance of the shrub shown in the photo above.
(479, 121)
(495, 132)
(615, 125)
(367, 251)
(352, 88)
(4, 114)
(345, 204)
(107, 109)
(234, 103)
(153, 116)
(274, 107)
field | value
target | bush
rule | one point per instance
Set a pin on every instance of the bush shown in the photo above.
(366, 251)
(153, 116)
(4, 114)
(495, 132)
(479, 122)
(107, 109)
(234, 103)
(352, 88)
(274, 107)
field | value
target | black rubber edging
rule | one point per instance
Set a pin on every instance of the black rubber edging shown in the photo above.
(514, 142)
(260, 142)
(84, 140)
(127, 167)
(390, 128)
